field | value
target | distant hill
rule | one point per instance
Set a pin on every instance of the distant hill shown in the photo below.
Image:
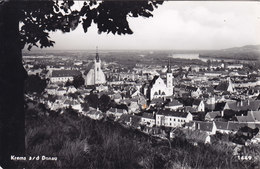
(243, 48)
(248, 52)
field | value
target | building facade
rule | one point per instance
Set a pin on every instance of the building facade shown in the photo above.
(95, 75)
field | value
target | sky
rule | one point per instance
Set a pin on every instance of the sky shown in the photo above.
(181, 25)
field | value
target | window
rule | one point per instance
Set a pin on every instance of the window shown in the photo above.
(170, 119)
(178, 120)
(173, 119)
(170, 124)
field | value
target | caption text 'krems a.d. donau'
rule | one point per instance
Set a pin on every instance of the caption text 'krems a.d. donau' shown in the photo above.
(33, 158)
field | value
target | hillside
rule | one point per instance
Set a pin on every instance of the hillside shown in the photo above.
(249, 52)
(80, 142)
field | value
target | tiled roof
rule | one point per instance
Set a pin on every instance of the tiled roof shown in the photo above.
(245, 119)
(223, 86)
(213, 114)
(157, 100)
(174, 103)
(135, 120)
(221, 125)
(255, 114)
(189, 124)
(205, 126)
(168, 112)
(253, 105)
(219, 106)
(65, 73)
(71, 102)
(197, 135)
(148, 115)
(234, 126)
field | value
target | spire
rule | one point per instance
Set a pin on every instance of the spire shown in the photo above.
(97, 57)
(169, 70)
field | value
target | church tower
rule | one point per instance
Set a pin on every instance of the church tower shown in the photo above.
(169, 75)
(97, 68)
(95, 75)
(169, 79)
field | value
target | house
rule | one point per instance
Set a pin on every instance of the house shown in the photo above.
(170, 118)
(148, 119)
(226, 86)
(130, 120)
(174, 105)
(116, 97)
(73, 104)
(117, 112)
(251, 105)
(61, 91)
(256, 139)
(210, 116)
(51, 90)
(235, 66)
(197, 136)
(141, 100)
(251, 117)
(234, 126)
(94, 114)
(133, 107)
(71, 89)
(157, 102)
(195, 91)
(62, 76)
(222, 127)
(208, 127)
(199, 105)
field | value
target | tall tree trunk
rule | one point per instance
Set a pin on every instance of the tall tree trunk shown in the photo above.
(12, 75)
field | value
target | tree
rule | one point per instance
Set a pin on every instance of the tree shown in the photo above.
(104, 103)
(34, 83)
(78, 81)
(92, 100)
(37, 19)
(209, 64)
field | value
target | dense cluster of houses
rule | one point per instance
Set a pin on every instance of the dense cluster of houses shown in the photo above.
(199, 100)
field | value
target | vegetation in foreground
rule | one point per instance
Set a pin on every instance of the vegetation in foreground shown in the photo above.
(80, 142)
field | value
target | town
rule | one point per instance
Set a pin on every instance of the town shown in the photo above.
(204, 100)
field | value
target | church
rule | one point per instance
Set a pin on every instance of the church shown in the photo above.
(158, 88)
(95, 75)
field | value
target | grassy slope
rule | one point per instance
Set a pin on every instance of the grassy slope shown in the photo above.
(80, 142)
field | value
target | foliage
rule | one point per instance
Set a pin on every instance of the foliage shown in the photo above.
(38, 18)
(104, 103)
(92, 100)
(78, 81)
(80, 142)
(34, 83)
